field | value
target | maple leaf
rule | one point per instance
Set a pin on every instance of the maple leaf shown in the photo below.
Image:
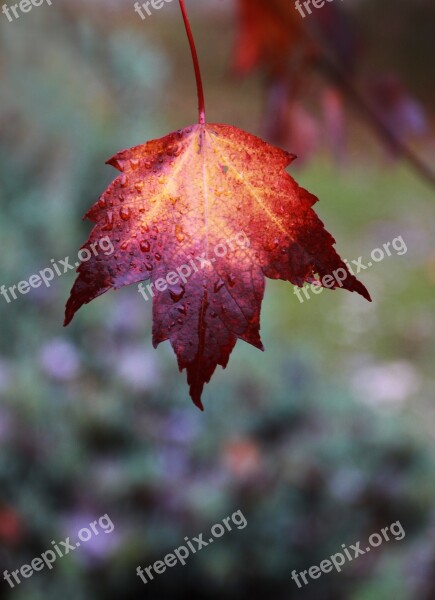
(205, 213)
(178, 200)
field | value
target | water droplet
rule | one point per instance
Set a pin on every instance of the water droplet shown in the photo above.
(182, 309)
(270, 246)
(179, 233)
(125, 213)
(134, 163)
(148, 266)
(145, 246)
(158, 256)
(180, 321)
(124, 180)
(148, 164)
(102, 203)
(177, 292)
(218, 285)
(108, 225)
(173, 150)
(231, 280)
(121, 197)
(124, 246)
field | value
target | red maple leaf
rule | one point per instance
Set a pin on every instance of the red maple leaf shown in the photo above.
(206, 214)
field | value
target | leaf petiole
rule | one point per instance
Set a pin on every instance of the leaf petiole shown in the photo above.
(200, 89)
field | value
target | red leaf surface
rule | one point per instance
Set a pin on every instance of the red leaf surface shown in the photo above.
(217, 201)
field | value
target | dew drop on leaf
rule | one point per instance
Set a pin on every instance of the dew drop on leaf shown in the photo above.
(182, 309)
(231, 280)
(124, 180)
(108, 225)
(179, 233)
(125, 213)
(218, 285)
(134, 163)
(177, 292)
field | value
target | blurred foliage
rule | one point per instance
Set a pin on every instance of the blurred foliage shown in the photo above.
(323, 440)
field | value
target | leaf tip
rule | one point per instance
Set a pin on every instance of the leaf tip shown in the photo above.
(67, 320)
(197, 401)
(113, 161)
(291, 157)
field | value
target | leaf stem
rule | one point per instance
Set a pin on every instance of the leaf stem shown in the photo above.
(200, 89)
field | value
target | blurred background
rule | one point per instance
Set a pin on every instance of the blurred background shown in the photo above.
(322, 440)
